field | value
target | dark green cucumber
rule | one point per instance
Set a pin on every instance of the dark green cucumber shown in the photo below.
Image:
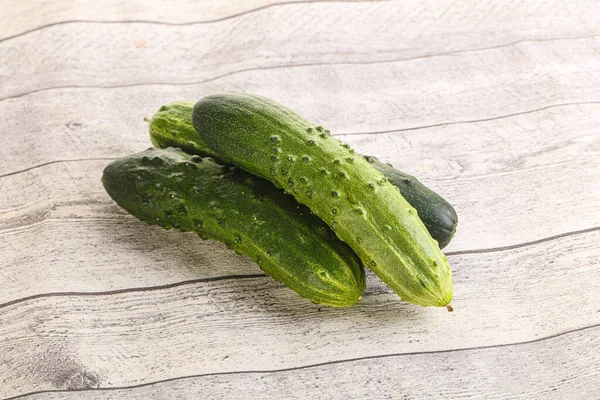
(437, 214)
(173, 189)
(343, 189)
(171, 126)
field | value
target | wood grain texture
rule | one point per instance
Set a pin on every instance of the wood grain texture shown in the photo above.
(537, 291)
(23, 18)
(395, 96)
(484, 373)
(493, 104)
(496, 18)
(323, 33)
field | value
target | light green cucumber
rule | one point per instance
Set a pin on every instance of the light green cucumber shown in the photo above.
(343, 189)
(171, 126)
(176, 190)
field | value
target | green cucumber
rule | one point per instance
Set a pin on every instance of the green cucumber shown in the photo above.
(171, 126)
(343, 189)
(437, 214)
(173, 189)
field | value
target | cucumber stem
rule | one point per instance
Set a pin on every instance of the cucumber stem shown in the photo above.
(147, 119)
(449, 308)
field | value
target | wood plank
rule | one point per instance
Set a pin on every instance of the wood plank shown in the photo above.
(501, 297)
(419, 19)
(73, 57)
(91, 254)
(425, 24)
(471, 150)
(92, 127)
(485, 373)
(22, 17)
(427, 98)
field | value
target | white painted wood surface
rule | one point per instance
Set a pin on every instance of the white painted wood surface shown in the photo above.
(495, 105)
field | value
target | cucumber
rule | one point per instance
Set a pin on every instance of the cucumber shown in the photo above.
(343, 189)
(171, 126)
(438, 216)
(173, 189)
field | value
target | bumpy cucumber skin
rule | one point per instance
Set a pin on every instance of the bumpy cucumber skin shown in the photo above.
(172, 126)
(176, 190)
(438, 216)
(343, 189)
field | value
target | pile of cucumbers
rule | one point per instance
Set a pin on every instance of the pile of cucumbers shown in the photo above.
(251, 173)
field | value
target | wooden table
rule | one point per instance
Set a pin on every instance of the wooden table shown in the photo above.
(495, 105)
